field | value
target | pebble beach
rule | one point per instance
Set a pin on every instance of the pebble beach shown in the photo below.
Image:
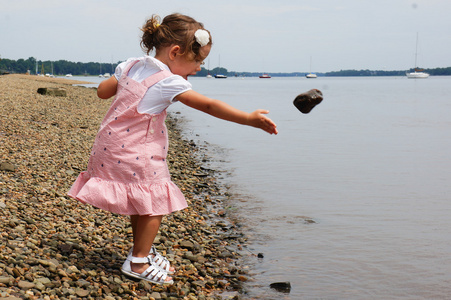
(54, 247)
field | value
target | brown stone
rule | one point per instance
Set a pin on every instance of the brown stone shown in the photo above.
(6, 279)
(187, 244)
(25, 285)
(305, 102)
(82, 293)
(7, 167)
(284, 287)
(57, 92)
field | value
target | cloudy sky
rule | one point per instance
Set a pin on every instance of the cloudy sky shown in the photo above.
(248, 35)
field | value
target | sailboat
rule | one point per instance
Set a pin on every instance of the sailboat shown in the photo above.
(50, 74)
(105, 75)
(310, 75)
(417, 73)
(220, 75)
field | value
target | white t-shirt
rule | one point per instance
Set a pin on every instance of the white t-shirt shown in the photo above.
(160, 95)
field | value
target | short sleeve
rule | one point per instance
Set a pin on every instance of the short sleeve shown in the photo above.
(173, 86)
(163, 94)
(121, 67)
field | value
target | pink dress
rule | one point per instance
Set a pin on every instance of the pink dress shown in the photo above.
(127, 171)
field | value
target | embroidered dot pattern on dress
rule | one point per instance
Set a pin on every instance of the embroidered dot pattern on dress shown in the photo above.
(131, 177)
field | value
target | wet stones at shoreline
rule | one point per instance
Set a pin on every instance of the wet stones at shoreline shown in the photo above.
(53, 247)
(284, 287)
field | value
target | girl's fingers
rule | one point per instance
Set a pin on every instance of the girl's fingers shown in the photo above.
(268, 125)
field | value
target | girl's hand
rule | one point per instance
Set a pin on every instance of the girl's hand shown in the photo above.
(259, 120)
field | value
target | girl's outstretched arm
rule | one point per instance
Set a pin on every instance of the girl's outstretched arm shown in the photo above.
(107, 88)
(224, 111)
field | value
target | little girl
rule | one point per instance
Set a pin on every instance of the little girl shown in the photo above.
(127, 171)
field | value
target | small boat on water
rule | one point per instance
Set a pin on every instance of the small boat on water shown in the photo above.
(417, 72)
(264, 76)
(50, 74)
(221, 76)
(310, 75)
(69, 75)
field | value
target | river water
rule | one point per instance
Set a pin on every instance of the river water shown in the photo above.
(350, 201)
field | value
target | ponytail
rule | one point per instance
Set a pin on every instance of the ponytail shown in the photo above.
(175, 29)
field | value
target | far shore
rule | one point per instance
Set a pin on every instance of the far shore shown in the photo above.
(58, 80)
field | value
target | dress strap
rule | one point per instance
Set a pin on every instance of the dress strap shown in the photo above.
(128, 67)
(154, 78)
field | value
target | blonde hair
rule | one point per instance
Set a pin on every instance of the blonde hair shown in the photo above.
(176, 29)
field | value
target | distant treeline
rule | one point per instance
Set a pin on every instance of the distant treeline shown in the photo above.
(63, 67)
(59, 67)
(432, 72)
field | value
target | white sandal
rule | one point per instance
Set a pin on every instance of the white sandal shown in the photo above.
(152, 274)
(159, 260)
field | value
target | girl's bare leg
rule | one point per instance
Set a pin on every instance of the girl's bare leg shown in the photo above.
(144, 234)
(145, 229)
(134, 222)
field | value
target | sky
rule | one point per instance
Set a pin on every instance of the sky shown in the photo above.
(255, 36)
